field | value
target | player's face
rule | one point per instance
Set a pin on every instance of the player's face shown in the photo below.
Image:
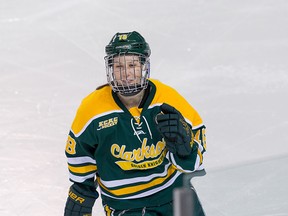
(127, 70)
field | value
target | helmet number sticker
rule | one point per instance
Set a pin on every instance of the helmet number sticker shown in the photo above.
(123, 37)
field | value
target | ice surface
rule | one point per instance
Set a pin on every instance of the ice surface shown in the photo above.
(229, 58)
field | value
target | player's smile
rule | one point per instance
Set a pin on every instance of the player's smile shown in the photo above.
(127, 70)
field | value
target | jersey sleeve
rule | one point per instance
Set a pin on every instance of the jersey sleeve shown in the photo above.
(82, 141)
(81, 164)
(80, 148)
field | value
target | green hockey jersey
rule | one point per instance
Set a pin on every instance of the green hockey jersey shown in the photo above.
(123, 151)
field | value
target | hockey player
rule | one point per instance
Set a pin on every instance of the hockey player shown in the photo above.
(133, 137)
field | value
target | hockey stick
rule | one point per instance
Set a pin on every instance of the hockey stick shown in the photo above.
(185, 198)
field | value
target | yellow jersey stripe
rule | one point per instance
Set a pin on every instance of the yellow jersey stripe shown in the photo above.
(137, 188)
(200, 156)
(82, 169)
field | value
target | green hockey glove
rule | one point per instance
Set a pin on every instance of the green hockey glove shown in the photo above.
(175, 130)
(80, 201)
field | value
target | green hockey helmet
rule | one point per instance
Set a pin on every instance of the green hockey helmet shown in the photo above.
(127, 63)
(130, 42)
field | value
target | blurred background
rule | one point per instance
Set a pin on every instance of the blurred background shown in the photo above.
(228, 58)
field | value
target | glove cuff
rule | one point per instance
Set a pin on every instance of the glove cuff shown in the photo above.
(82, 197)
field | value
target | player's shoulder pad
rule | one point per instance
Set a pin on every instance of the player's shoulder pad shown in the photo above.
(169, 95)
(96, 104)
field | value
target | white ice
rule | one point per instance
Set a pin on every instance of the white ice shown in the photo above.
(229, 58)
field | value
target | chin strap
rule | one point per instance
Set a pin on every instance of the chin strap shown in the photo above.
(130, 93)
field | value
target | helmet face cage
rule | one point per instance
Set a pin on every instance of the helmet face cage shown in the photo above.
(127, 73)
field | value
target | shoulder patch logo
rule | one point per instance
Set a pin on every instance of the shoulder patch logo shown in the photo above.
(107, 123)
